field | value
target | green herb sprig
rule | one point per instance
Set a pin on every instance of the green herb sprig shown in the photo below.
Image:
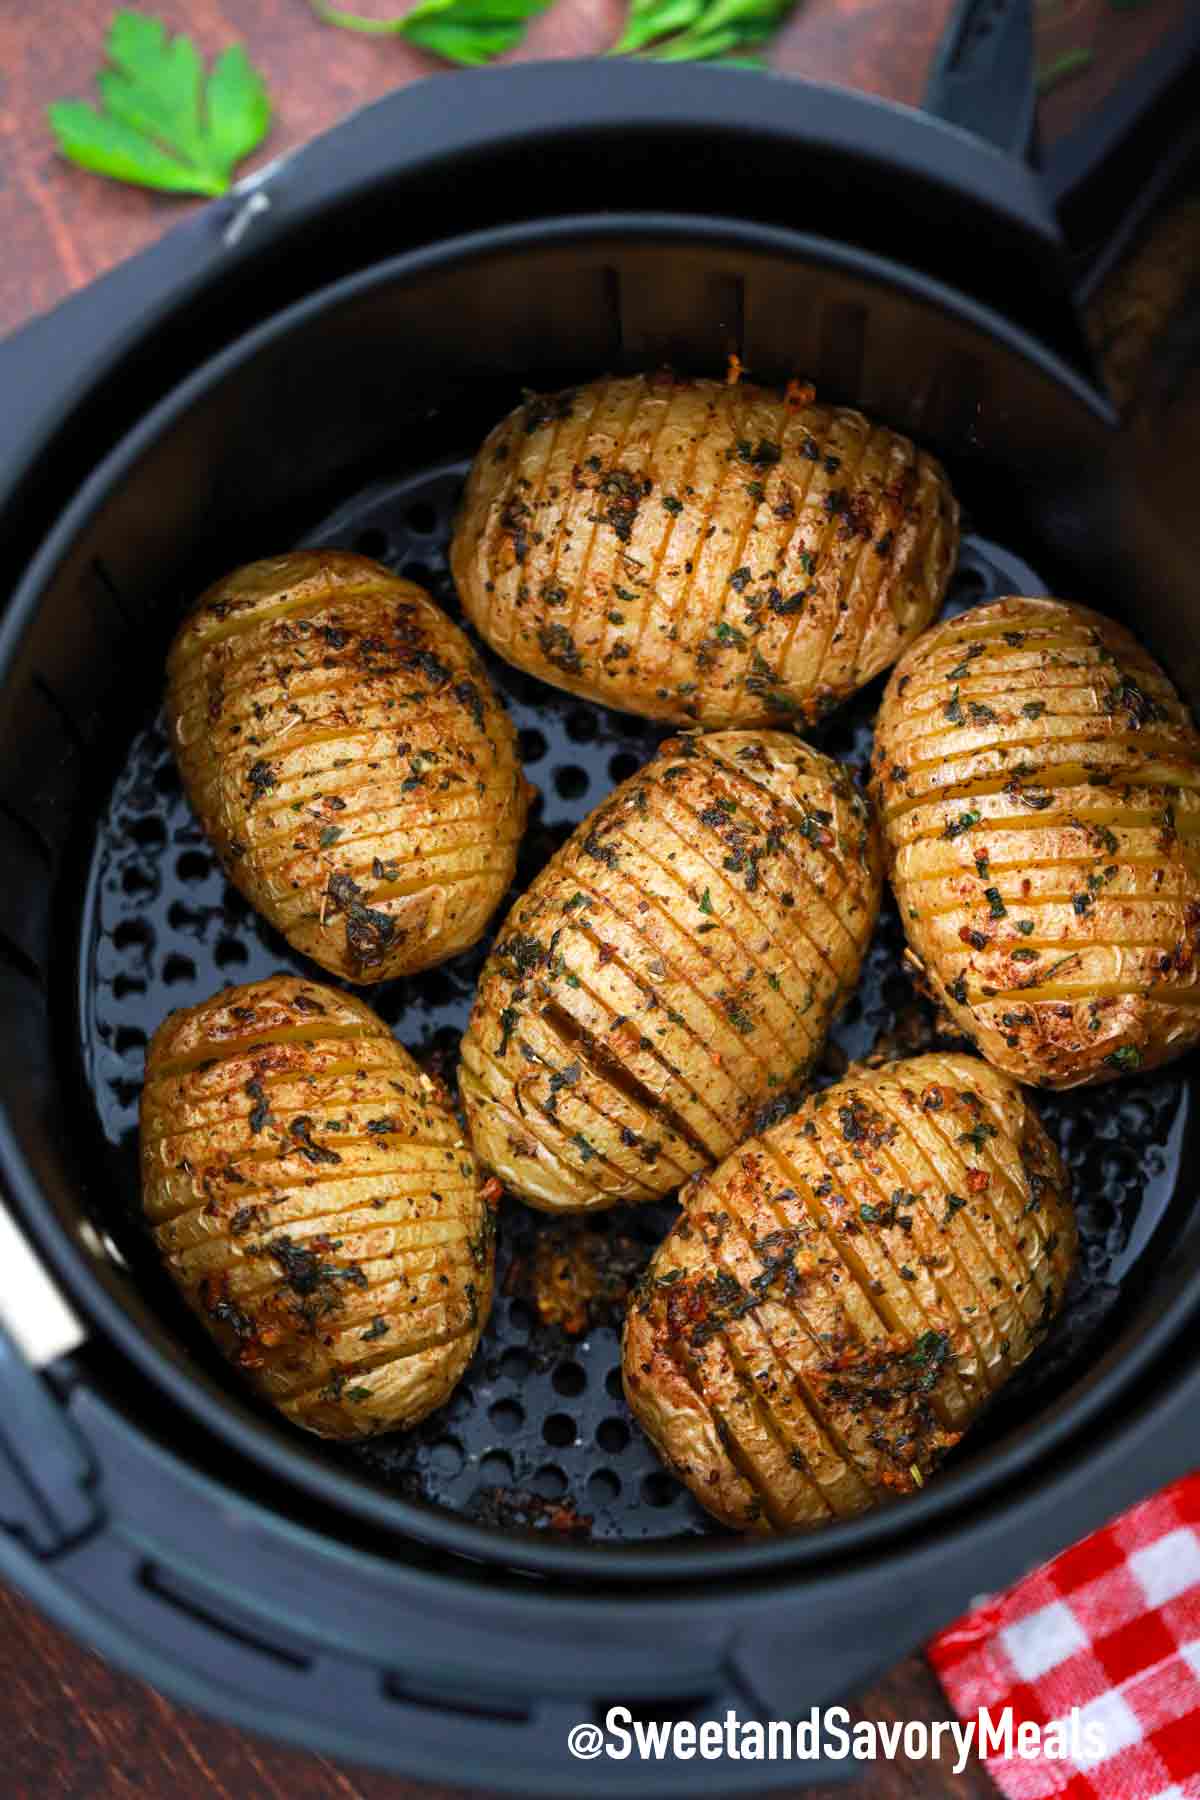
(700, 30)
(162, 123)
(467, 32)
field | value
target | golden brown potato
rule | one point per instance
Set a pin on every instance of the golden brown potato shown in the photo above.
(698, 552)
(677, 961)
(344, 751)
(313, 1198)
(1039, 782)
(841, 1297)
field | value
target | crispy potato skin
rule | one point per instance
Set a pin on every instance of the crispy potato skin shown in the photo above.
(844, 1294)
(701, 553)
(677, 962)
(344, 751)
(1039, 783)
(313, 1199)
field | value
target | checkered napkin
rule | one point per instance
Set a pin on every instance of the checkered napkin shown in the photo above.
(1112, 1627)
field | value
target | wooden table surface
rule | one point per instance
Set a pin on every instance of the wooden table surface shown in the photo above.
(70, 1726)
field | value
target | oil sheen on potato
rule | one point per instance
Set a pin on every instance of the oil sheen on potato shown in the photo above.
(842, 1296)
(313, 1198)
(1038, 779)
(675, 966)
(703, 553)
(342, 746)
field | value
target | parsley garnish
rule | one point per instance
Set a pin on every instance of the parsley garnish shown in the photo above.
(700, 31)
(162, 123)
(469, 32)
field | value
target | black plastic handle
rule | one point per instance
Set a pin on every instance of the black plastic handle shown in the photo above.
(983, 75)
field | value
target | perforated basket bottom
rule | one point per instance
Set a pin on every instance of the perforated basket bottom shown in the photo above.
(538, 1433)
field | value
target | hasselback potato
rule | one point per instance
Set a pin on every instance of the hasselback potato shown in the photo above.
(676, 963)
(1039, 782)
(313, 1199)
(344, 751)
(840, 1298)
(693, 551)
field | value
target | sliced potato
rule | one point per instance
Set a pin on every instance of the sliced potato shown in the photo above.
(674, 965)
(845, 1293)
(348, 759)
(1039, 782)
(698, 552)
(314, 1200)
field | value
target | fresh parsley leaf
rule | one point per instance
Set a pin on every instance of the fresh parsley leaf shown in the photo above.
(700, 30)
(468, 32)
(161, 122)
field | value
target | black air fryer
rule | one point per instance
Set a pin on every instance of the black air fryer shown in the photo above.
(312, 361)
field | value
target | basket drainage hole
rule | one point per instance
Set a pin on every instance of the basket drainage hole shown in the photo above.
(177, 969)
(532, 743)
(128, 1038)
(612, 1435)
(148, 831)
(549, 1482)
(515, 1365)
(581, 725)
(193, 865)
(229, 951)
(372, 542)
(520, 1316)
(136, 880)
(623, 765)
(559, 1430)
(571, 782)
(660, 1489)
(133, 933)
(507, 1416)
(419, 572)
(421, 519)
(603, 1487)
(613, 1384)
(568, 1379)
(446, 1457)
(496, 1469)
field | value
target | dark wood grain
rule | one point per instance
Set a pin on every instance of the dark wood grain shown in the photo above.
(73, 1728)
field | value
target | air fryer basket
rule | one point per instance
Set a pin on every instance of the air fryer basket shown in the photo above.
(345, 418)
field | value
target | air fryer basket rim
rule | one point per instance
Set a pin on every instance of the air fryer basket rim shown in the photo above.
(246, 1430)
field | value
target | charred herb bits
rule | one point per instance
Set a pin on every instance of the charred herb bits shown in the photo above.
(844, 1294)
(313, 1198)
(344, 751)
(1038, 780)
(675, 966)
(702, 553)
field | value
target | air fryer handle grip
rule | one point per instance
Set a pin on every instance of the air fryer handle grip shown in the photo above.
(983, 75)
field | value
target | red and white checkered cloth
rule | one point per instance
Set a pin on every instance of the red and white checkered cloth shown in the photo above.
(1111, 1626)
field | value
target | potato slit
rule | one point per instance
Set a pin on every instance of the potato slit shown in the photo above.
(569, 1153)
(724, 1032)
(985, 1210)
(609, 1069)
(228, 1049)
(884, 1304)
(590, 1097)
(786, 811)
(535, 501)
(834, 1452)
(649, 586)
(719, 875)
